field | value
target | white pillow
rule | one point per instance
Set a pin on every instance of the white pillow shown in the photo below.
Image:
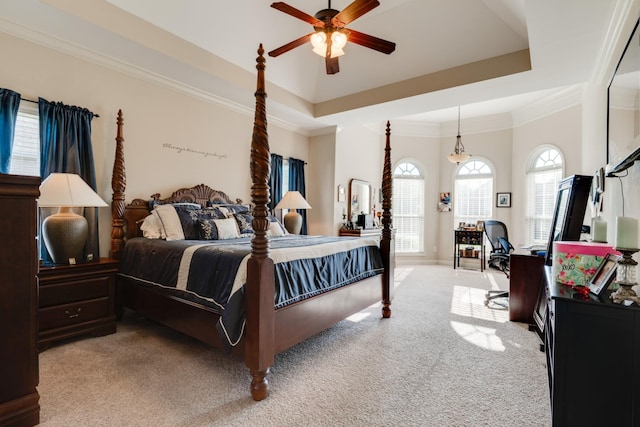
(152, 227)
(170, 222)
(275, 230)
(227, 228)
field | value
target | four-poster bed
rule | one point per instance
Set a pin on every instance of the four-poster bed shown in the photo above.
(268, 329)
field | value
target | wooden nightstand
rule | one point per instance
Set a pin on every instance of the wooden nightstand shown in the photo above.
(75, 300)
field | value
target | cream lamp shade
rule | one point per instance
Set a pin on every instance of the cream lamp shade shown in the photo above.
(65, 232)
(293, 220)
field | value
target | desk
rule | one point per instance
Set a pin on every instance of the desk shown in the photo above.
(525, 275)
(468, 238)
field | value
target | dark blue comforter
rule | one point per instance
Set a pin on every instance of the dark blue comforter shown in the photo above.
(213, 272)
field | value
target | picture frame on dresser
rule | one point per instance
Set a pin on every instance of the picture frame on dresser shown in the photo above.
(603, 277)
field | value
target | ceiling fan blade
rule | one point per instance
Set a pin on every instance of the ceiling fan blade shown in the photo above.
(371, 42)
(291, 45)
(354, 11)
(332, 65)
(296, 13)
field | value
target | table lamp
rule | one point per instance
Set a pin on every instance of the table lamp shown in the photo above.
(65, 232)
(293, 220)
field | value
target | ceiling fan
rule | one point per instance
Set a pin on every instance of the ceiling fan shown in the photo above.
(330, 34)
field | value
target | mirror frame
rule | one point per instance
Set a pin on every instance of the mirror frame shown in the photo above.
(622, 92)
(362, 183)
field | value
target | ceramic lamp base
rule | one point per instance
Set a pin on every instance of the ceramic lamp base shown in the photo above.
(293, 222)
(65, 234)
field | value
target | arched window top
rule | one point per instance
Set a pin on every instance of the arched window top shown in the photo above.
(407, 170)
(547, 158)
(475, 168)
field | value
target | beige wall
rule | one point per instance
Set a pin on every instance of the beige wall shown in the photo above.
(562, 130)
(322, 219)
(155, 117)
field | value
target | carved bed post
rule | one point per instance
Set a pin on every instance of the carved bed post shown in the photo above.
(118, 185)
(260, 286)
(387, 244)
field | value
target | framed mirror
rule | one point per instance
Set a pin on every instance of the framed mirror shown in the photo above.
(623, 118)
(359, 198)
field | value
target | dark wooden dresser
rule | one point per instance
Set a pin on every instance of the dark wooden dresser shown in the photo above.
(75, 300)
(19, 398)
(592, 347)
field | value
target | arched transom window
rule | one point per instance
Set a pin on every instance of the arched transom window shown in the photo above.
(473, 191)
(543, 176)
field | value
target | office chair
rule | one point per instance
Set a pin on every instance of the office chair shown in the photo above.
(498, 236)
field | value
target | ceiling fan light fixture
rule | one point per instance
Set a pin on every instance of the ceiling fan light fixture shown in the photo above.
(330, 33)
(458, 156)
(319, 40)
(338, 40)
(319, 43)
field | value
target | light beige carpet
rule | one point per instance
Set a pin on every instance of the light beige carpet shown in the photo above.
(443, 359)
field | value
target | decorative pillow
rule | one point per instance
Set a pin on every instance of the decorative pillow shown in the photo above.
(207, 229)
(244, 223)
(275, 230)
(230, 208)
(227, 228)
(273, 219)
(214, 229)
(152, 227)
(170, 222)
(154, 203)
(189, 218)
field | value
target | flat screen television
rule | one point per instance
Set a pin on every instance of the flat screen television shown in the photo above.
(568, 215)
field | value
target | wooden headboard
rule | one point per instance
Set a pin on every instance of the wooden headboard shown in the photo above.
(136, 211)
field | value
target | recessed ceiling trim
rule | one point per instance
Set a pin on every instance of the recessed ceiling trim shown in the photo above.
(498, 66)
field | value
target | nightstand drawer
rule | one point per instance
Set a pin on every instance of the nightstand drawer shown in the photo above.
(76, 300)
(75, 290)
(74, 313)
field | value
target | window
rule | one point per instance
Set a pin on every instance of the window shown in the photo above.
(473, 190)
(543, 176)
(408, 208)
(25, 156)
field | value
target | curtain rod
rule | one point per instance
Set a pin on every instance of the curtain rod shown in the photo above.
(35, 102)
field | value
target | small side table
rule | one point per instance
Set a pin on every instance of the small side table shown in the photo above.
(75, 300)
(473, 238)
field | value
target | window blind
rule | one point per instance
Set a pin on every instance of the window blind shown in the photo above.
(25, 155)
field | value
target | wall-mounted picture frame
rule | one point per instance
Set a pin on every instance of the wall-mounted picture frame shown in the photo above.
(503, 200)
(600, 281)
(341, 193)
(444, 205)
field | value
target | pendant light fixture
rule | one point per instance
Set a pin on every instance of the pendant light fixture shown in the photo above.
(458, 156)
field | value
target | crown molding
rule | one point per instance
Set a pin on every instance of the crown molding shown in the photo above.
(552, 104)
(91, 56)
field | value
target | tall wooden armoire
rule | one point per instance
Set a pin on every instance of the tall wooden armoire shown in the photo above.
(19, 398)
